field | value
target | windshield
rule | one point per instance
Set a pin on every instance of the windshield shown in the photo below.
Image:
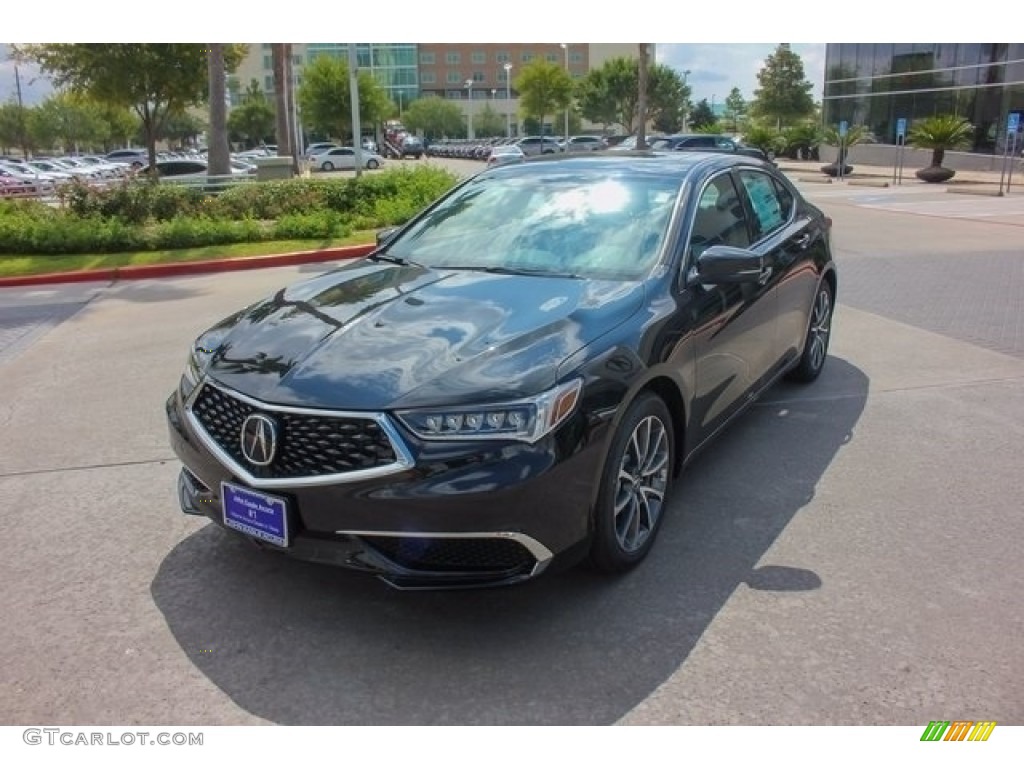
(603, 226)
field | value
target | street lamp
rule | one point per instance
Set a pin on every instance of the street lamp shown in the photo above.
(565, 47)
(686, 100)
(508, 98)
(469, 108)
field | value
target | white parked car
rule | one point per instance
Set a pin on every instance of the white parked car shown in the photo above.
(505, 154)
(343, 158)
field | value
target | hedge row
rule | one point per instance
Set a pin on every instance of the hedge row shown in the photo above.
(140, 216)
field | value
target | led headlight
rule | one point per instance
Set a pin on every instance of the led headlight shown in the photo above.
(527, 420)
(198, 357)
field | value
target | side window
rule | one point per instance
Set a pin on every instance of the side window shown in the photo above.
(725, 144)
(700, 142)
(719, 219)
(770, 212)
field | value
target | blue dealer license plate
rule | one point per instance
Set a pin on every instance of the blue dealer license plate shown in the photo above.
(255, 514)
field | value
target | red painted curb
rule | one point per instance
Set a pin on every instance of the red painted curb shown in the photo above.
(146, 271)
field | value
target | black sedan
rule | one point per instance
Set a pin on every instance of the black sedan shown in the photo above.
(515, 378)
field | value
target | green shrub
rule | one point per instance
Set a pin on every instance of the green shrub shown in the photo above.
(310, 226)
(183, 232)
(21, 233)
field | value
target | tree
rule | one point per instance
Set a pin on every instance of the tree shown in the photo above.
(609, 94)
(544, 89)
(938, 134)
(785, 94)
(487, 122)
(702, 117)
(155, 80)
(182, 128)
(118, 125)
(68, 118)
(434, 117)
(326, 99)
(14, 129)
(641, 97)
(735, 108)
(253, 120)
(218, 152)
(280, 54)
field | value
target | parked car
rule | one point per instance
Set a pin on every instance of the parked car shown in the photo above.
(538, 145)
(343, 158)
(412, 146)
(585, 144)
(515, 377)
(706, 142)
(12, 187)
(505, 155)
(185, 169)
(320, 146)
(135, 158)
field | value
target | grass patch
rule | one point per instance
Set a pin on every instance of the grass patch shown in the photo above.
(17, 265)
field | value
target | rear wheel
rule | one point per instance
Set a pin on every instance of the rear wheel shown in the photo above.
(634, 486)
(372, 164)
(327, 166)
(818, 333)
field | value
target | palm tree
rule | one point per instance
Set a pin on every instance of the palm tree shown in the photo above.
(939, 134)
(855, 134)
(217, 144)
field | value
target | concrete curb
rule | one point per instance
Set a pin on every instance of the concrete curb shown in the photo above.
(979, 190)
(149, 271)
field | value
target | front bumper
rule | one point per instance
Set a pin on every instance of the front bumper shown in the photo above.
(463, 514)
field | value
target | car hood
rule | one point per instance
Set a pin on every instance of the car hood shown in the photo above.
(375, 335)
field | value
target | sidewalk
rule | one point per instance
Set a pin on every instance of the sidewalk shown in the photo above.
(863, 171)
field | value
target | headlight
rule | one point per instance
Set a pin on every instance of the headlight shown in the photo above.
(198, 357)
(527, 420)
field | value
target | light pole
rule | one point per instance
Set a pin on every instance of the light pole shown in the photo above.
(469, 109)
(508, 98)
(565, 47)
(686, 100)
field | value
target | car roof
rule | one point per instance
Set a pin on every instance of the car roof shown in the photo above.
(680, 165)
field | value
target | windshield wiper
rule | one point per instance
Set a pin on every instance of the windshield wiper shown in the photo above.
(496, 270)
(382, 256)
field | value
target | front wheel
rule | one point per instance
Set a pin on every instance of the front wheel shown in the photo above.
(634, 486)
(372, 164)
(328, 166)
(818, 333)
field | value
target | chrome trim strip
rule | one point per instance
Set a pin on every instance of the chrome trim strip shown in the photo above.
(402, 454)
(542, 554)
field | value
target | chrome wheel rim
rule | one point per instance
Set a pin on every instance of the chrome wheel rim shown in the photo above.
(821, 322)
(640, 486)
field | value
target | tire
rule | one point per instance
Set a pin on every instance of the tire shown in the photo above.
(635, 485)
(819, 331)
(372, 164)
(327, 166)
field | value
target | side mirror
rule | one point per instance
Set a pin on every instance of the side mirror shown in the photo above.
(723, 264)
(385, 234)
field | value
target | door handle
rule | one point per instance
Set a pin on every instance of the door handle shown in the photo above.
(803, 241)
(765, 276)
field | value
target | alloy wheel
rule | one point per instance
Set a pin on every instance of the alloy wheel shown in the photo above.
(641, 483)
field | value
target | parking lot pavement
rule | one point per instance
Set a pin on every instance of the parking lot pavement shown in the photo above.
(847, 553)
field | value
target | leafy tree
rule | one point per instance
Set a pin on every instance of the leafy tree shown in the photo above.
(326, 100)
(544, 89)
(253, 120)
(14, 129)
(155, 80)
(785, 94)
(434, 117)
(735, 108)
(68, 118)
(702, 117)
(118, 125)
(802, 140)
(487, 122)
(182, 128)
(764, 136)
(609, 94)
(42, 131)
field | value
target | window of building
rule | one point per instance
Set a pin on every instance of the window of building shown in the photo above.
(575, 58)
(453, 76)
(452, 94)
(502, 57)
(427, 58)
(526, 56)
(502, 76)
(478, 77)
(268, 62)
(479, 57)
(452, 57)
(428, 78)
(552, 57)
(268, 83)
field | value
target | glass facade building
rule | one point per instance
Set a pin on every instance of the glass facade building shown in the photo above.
(875, 84)
(394, 65)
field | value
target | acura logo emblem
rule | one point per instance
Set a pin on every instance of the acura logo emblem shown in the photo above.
(259, 439)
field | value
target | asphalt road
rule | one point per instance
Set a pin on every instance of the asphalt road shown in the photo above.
(848, 553)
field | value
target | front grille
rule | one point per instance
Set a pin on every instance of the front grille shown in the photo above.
(309, 445)
(454, 555)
